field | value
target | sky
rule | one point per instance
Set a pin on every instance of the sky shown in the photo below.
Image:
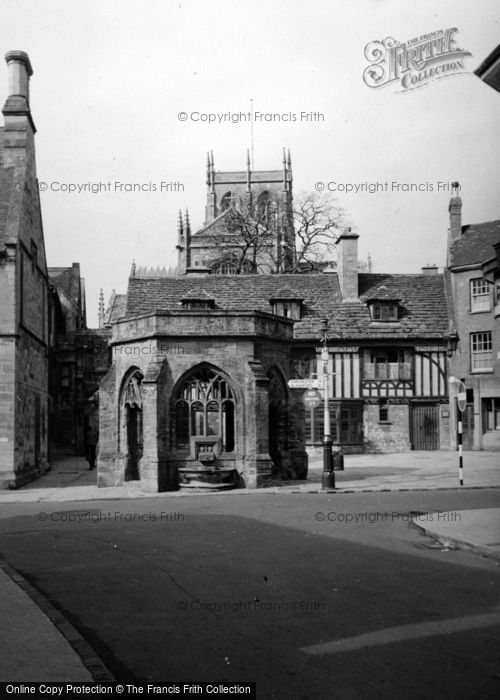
(112, 77)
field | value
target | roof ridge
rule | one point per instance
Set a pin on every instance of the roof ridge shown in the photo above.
(193, 294)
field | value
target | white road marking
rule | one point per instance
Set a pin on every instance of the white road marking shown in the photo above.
(404, 633)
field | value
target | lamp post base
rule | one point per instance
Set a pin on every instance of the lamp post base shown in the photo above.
(328, 477)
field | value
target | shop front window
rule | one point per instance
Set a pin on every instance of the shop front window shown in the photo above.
(491, 414)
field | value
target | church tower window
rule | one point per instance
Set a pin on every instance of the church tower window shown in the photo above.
(226, 201)
(264, 208)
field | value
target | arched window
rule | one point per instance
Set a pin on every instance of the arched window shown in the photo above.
(132, 392)
(278, 419)
(229, 266)
(226, 201)
(224, 267)
(205, 407)
(264, 207)
(248, 267)
(132, 411)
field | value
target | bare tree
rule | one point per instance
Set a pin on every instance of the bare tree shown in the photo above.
(318, 223)
(248, 241)
(245, 241)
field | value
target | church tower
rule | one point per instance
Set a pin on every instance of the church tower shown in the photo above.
(263, 201)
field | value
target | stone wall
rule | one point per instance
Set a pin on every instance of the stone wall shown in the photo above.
(392, 435)
(78, 361)
(247, 362)
(23, 311)
(481, 385)
(445, 426)
(7, 406)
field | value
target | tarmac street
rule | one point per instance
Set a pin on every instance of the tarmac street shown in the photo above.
(309, 594)
(25, 654)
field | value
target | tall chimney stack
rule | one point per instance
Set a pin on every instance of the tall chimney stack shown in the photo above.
(20, 71)
(17, 105)
(455, 209)
(347, 265)
(430, 270)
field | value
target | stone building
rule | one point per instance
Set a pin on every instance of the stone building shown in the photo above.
(474, 286)
(201, 364)
(50, 362)
(23, 290)
(248, 224)
(78, 359)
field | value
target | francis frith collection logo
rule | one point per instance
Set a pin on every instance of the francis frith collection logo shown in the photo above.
(414, 63)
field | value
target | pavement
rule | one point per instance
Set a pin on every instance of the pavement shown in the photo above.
(35, 642)
(38, 644)
(70, 479)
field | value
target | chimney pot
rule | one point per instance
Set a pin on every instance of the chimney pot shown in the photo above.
(20, 71)
(347, 265)
(455, 210)
(430, 270)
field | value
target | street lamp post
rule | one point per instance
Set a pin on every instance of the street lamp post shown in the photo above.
(328, 478)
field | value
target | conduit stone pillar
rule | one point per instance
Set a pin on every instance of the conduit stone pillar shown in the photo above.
(149, 464)
(258, 466)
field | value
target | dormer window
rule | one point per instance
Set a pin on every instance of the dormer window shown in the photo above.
(287, 303)
(384, 306)
(288, 309)
(198, 301)
(384, 311)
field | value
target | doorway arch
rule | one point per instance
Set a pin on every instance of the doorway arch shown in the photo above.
(132, 431)
(278, 419)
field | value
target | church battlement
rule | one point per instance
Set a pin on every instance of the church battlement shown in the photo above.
(248, 213)
(254, 189)
(145, 272)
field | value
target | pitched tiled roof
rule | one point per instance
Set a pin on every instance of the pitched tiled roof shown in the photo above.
(383, 294)
(213, 225)
(286, 293)
(62, 278)
(197, 295)
(475, 244)
(116, 309)
(423, 301)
